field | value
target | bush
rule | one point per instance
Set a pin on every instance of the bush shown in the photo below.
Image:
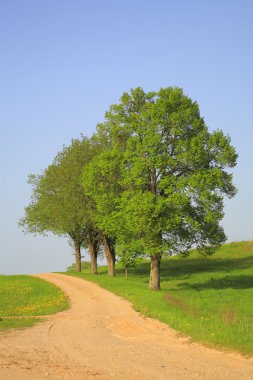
(85, 265)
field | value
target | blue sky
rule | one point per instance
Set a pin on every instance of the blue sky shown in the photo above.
(62, 63)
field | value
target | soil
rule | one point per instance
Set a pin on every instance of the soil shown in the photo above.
(101, 337)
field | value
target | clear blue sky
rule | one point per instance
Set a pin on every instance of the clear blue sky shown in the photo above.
(62, 63)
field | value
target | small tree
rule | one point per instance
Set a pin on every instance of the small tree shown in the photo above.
(129, 259)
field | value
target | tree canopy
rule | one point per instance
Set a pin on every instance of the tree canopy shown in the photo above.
(150, 182)
(161, 179)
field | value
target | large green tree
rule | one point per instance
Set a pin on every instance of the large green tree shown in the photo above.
(166, 176)
(59, 204)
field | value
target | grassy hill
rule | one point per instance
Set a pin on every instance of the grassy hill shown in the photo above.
(208, 299)
(23, 298)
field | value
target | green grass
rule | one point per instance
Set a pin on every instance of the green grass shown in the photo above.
(22, 298)
(208, 299)
(6, 324)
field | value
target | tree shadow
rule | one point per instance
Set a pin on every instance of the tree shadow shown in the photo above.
(177, 267)
(233, 282)
(174, 267)
(183, 268)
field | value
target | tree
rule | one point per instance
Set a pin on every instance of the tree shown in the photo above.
(59, 204)
(129, 259)
(167, 194)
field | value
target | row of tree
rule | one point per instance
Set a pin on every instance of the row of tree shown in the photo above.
(149, 183)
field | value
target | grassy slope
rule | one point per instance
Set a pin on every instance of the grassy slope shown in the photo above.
(23, 296)
(209, 299)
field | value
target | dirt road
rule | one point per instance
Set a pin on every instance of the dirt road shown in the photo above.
(101, 337)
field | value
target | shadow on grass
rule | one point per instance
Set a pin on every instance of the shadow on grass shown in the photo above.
(233, 282)
(181, 267)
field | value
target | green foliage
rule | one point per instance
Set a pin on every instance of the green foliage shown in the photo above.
(59, 204)
(25, 296)
(206, 298)
(159, 182)
(100, 180)
(151, 182)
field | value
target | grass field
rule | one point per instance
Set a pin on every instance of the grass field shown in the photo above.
(22, 298)
(208, 299)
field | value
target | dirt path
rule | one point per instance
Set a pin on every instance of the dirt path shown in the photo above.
(101, 337)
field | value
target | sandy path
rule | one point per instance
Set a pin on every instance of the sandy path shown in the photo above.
(101, 337)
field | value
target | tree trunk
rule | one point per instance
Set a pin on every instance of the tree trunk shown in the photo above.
(93, 250)
(153, 181)
(154, 278)
(126, 272)
(78, 256)
(110, 255)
